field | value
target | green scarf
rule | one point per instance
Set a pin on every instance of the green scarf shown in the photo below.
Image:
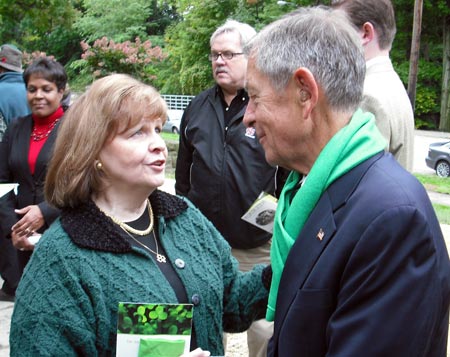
(353, 144)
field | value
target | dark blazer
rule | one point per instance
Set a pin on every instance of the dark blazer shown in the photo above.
(14, 168)
(369, 274)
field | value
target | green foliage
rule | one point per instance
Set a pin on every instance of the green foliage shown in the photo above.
(442, 213)
(187, 42)
(152, 319)
(30, 24)
(115, 19)
(427, 91)
(441, 185)
(188, 45)
(426, 101)
(435, 183)
(170, 136)
(63, 43)
(79, 74)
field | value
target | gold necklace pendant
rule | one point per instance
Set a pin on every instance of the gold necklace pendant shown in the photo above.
(159, 257)
(127, 228)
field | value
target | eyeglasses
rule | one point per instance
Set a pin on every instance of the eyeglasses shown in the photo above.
(225, 55)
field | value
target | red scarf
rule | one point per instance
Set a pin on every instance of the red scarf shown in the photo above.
(42, 127)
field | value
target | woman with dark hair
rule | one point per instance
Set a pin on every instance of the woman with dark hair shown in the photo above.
(24, 154)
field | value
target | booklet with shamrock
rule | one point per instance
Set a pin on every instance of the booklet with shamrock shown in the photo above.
(262, 212)
(155, 330)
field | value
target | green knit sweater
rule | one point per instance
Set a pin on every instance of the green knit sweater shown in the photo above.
(67, 300)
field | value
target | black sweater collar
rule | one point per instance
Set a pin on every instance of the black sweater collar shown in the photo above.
(88, 227)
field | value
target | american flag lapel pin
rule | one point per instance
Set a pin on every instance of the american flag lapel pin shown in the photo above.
(320, 234)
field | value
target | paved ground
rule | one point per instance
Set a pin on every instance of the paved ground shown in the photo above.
(236, 342)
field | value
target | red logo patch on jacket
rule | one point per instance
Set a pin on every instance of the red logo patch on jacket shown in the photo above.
(250, 132)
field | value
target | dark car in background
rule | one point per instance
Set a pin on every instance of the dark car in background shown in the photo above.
(173, 121)
(439, 158)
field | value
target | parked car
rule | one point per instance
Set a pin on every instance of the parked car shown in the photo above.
(173, 121)
(439, 158)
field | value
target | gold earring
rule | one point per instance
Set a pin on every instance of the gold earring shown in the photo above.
(99, 166)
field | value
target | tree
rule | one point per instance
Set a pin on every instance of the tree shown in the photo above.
(444, 123)
(415, 47)
(116, 19)
(429, 73)
(134, 58)
(32, 25)
(187, 42)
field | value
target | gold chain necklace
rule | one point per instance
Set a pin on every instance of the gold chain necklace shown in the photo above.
(130, 229)
(159, 257)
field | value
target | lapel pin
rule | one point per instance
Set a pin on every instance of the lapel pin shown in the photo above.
(321, 234)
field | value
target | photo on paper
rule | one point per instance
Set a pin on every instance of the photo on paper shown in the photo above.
(262, 212)
(153, 329)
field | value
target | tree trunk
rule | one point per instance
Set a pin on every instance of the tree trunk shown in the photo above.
(415, 48)
(444, 123)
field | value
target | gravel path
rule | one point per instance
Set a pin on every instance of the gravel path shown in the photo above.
(236, 345)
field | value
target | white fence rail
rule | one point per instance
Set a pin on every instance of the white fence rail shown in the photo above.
(179, 102)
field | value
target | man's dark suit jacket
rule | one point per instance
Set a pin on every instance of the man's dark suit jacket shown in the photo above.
(369, 274)
(14, 168)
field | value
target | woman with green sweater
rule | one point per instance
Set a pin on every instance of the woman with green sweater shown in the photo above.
(120, 239)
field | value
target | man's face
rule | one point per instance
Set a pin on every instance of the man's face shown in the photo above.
(229, 74)
(277, 118)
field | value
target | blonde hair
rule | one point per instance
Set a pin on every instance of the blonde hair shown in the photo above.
(112, 105)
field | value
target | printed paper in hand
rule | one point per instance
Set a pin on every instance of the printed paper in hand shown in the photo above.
(7, 187)
(153, 329)
(262, 212)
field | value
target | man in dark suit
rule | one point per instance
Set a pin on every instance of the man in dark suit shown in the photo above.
(360, 266)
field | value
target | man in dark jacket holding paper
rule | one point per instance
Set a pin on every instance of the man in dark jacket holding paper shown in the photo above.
(221, 166)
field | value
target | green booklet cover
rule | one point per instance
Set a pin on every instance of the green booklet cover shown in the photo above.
(153, 330)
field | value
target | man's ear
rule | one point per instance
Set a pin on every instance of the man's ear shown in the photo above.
(367, 33)
(307, 89)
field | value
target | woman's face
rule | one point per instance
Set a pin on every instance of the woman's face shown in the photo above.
(136, 158)
(43, 96)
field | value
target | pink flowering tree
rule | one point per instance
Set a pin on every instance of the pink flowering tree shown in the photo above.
(136, 58)
(27, 58)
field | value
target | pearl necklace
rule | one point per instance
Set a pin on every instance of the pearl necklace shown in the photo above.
(130, 229)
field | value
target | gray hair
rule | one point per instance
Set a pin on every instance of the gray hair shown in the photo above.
(245, 31)
(321, 40)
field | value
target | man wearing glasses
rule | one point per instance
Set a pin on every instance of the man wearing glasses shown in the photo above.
(221, 166)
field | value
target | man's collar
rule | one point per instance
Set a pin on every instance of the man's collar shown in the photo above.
(219, 92)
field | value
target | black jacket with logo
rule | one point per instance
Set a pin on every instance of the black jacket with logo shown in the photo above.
(222, 170)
